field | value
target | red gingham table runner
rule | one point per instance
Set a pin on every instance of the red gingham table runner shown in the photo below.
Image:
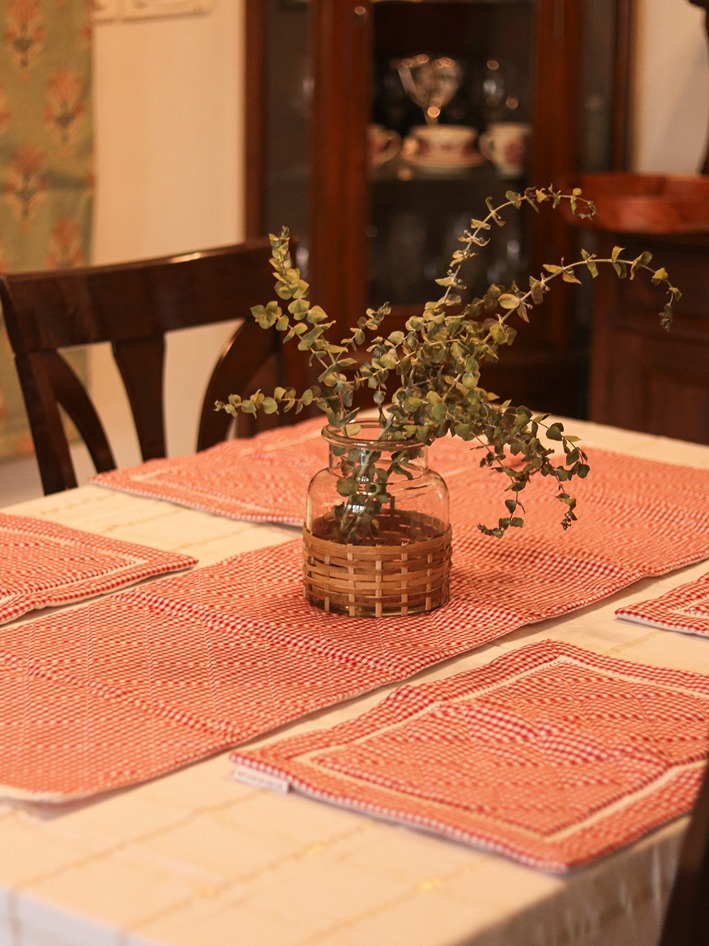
(684, 609)
(43, 563)
(549, 755)
(126, 688)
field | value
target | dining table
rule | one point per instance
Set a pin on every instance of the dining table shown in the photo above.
(259, 831)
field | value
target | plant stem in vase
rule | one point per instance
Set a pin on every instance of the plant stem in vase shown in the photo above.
(377, 537)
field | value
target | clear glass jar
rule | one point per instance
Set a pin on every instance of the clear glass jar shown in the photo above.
(376, 495)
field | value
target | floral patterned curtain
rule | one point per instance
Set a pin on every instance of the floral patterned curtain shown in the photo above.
(45, 159)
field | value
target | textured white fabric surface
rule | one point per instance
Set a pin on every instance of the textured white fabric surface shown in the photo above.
(196, 858)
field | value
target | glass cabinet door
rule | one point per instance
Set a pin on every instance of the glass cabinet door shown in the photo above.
(378, 129)
(452, 82)
(460, 96)
(279, 101)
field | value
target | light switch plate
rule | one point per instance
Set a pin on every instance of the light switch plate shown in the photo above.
(143, 9)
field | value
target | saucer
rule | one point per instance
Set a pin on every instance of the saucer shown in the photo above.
(445, 167)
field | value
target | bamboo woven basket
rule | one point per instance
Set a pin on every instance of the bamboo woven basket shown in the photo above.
(377, 580)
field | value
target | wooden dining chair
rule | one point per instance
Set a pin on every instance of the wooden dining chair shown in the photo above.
(133, 306)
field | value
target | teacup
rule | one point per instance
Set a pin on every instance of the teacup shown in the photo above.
(442, 144)
(383, 144)
(506, 144)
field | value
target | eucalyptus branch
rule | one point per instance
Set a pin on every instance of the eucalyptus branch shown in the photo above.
(436, 363)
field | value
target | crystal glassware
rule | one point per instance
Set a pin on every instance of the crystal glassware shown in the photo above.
(430, 83)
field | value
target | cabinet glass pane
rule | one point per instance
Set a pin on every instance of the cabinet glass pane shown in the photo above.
(472, 60)
(288, 94)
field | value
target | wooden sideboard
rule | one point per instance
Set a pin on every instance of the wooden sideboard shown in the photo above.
(641, 376)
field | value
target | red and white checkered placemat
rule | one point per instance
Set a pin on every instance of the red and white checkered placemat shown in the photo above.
(684, 609)
(43, 563)
(549, 755)
(261, 478)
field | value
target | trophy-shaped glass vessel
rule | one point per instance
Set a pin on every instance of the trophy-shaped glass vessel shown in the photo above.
(430, 83)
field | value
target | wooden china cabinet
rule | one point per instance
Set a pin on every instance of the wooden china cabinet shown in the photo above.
(319, 72)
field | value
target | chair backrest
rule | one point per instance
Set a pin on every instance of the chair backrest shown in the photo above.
(132, 306)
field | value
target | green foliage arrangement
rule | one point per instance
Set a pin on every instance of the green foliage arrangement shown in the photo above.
(436, 365)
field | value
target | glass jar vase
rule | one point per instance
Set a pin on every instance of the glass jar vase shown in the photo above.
(377, 537)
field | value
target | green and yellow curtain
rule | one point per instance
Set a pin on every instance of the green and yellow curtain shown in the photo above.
(46, 144)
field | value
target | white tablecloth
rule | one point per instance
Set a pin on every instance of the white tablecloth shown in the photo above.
(196, 858)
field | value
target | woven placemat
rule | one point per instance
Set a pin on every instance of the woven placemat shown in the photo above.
(549, 755)
(684, 609)
(43, 563)
(261, 478)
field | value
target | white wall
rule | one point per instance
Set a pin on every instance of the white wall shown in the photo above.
(168, 111)
(169, 118)
(169, 114)
(671, 89)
